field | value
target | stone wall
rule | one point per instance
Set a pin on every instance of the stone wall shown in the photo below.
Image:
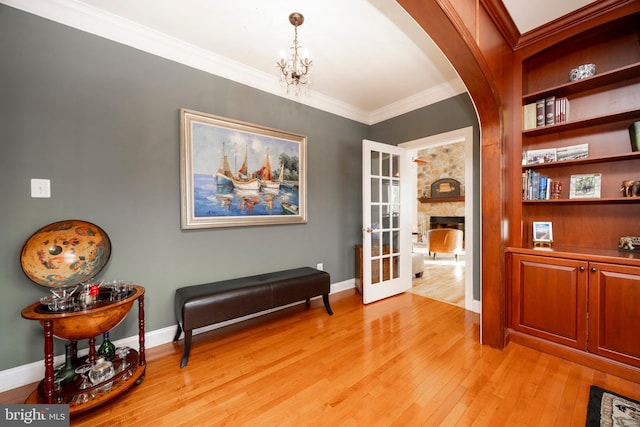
(445, 161)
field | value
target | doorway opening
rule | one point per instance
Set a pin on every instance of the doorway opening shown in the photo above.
(423, 208)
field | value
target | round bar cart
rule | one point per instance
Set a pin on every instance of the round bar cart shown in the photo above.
(87, 324)
(65, 256)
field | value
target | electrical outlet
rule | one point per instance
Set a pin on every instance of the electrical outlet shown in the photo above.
(320, 266)
(40, 188)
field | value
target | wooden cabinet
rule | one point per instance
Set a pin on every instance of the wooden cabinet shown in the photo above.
(614, 312)
(580, 299)
(586, 305)
(549, 299)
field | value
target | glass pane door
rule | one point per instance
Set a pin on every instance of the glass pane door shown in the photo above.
(386, 219)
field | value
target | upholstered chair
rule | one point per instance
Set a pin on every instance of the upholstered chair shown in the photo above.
(445, 241)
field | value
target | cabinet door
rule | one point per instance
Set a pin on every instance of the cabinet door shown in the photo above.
(549, 299)
(614, 312)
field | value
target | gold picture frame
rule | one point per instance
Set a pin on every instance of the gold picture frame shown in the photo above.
(235, 174)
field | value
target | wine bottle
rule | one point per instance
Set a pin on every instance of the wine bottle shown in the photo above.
(107, 349)
(68, 371)
(74, 352)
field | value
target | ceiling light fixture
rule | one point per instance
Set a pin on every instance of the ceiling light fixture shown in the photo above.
(295, 71)
(420, 160)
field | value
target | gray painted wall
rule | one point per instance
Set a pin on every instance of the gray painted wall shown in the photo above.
(101, 120)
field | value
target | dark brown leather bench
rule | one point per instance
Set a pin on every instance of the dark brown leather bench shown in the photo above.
(203, 305)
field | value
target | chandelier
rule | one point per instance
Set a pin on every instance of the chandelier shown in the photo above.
(295, 71)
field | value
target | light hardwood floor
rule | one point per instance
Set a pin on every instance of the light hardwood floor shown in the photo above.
(442, 280)
(404, 361)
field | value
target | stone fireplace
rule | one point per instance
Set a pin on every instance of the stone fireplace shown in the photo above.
(442, 164)
(456, 222)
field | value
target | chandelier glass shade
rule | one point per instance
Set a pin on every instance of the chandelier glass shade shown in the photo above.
(295, 71)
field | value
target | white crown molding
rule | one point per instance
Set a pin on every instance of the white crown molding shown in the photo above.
(112, 27)
(419, 100)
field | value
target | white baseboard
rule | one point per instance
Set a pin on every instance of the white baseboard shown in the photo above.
(476, 307)
(26, 374)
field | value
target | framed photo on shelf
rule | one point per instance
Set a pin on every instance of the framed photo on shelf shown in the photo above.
(573, 152)
(235, 174)
(585, 186)
(546, 155)
(542, 232)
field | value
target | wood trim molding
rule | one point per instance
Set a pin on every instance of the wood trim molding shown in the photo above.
(503, 21)
(441, 199)
(587, 13)
(501, 17)
(585, 358)
(445, 26)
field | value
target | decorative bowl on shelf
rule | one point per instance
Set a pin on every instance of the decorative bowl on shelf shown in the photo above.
(582, 72)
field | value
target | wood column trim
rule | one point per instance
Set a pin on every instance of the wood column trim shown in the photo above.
(444, 25)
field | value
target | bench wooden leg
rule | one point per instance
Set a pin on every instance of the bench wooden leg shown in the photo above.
(178, 332)
(325, 299)
(186, 349)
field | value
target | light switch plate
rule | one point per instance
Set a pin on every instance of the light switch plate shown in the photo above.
(40, 188)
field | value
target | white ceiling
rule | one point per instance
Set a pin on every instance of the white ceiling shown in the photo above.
(371, 60)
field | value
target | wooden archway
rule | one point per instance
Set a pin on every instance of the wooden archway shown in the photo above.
(482, 58)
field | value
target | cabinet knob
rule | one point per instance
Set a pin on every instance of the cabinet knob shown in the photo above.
(593, 269)
(581, 268)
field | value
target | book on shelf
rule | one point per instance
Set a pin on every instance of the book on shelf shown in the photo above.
(535, 186)
(540, 116)
(529, 116)
(550, 110)
(634, 134)
(544, 112)
(562, 109)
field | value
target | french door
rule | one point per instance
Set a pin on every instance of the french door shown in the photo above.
(386, 221)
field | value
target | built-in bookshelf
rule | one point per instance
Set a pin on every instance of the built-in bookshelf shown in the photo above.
(570, 296)
(602, 108)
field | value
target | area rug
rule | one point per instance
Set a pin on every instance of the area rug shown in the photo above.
(608, 409)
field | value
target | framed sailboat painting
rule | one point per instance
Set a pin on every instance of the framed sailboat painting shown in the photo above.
(234, 173)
